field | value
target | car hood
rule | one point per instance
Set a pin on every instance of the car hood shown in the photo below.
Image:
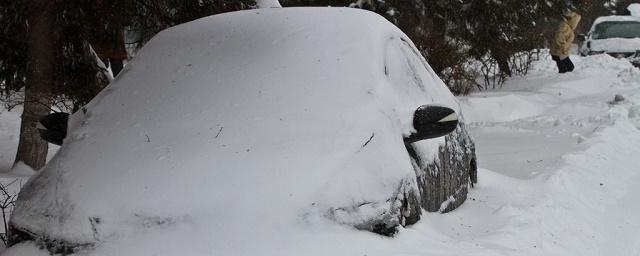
(616, 45)
(254, 120)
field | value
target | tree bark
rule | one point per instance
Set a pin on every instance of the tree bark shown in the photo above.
(502, 58)
(32, 150)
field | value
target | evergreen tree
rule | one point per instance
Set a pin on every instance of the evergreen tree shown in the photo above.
(148, 17)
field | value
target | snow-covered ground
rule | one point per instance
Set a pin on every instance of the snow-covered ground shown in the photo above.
(9, 135)
(558, 165)
(9, 130)
(558, 174)
(12, 179)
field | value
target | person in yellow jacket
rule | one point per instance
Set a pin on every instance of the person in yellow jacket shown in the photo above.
(563, 39)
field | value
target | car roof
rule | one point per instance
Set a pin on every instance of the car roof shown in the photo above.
(229, 115)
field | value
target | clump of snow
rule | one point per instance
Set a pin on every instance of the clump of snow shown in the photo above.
(9, 135)
(629, 76)
(600, 65)
(261, 4)
(445, 204)
(21, 169)
(634, 9)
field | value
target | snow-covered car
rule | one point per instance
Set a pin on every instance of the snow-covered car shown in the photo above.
(618, 36)
(253, 132)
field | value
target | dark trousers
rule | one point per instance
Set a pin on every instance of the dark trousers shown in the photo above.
(565, 65)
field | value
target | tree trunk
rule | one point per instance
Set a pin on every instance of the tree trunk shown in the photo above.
(32, 150)
(502, 58)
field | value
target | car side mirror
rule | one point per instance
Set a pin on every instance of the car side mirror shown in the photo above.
(432, 122)
(53, 127)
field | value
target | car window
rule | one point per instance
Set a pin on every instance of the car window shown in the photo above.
(622, 29)
(401, 69)
(408, 70)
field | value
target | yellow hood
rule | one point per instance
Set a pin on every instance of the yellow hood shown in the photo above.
(572, 18)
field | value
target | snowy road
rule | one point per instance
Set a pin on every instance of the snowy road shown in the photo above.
(558, 172)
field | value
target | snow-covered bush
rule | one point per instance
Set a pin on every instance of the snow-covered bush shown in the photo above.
(459, 80)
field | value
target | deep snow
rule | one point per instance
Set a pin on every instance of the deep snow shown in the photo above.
(558, 176)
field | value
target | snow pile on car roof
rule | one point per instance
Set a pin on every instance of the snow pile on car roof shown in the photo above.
(634, 9)
(246, 126)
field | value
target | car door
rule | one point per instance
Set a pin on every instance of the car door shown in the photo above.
(445, 165)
